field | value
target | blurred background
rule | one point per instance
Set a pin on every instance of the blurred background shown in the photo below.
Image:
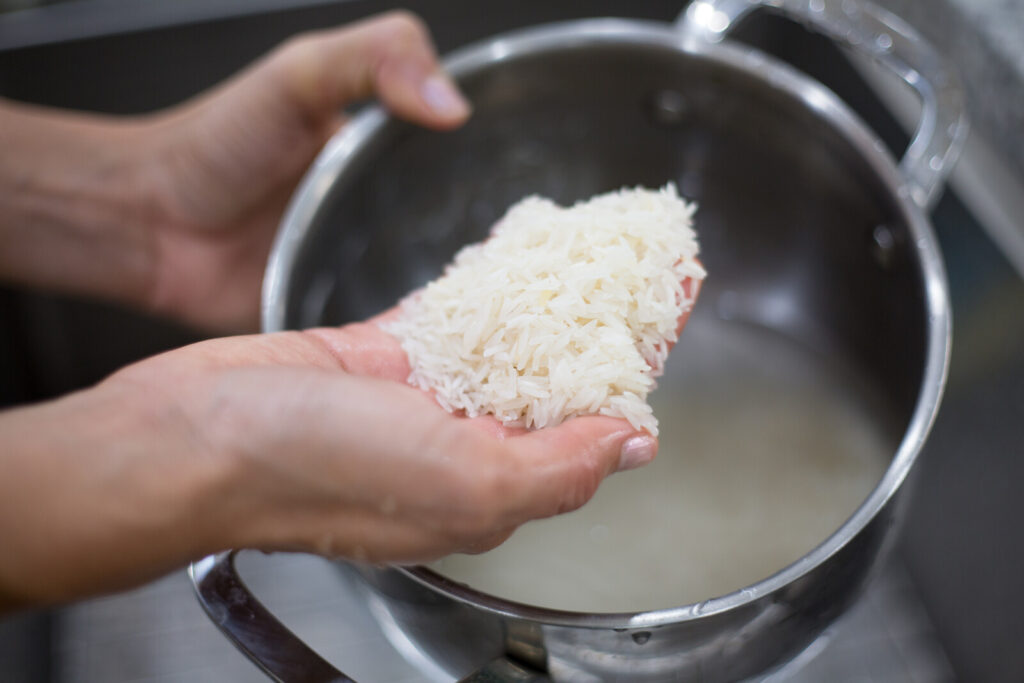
(948, 606)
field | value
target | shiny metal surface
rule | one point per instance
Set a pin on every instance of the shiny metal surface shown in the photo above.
(252, 628)
(282, 655)
(805, 231)
(885, 38)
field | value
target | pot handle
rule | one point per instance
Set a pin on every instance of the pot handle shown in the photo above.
(251, 627)
(278, 652)
(889, 41)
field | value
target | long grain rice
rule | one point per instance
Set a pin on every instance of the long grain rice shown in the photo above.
(561, 312)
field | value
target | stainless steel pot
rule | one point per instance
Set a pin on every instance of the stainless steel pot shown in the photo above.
(811, 231)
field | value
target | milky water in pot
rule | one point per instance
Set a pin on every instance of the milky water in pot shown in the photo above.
(767, 447)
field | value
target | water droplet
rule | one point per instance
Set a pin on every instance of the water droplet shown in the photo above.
(670, 107)
(599, 532)
(883, 246)
(641, 637)
(727, 305)
(754, 59)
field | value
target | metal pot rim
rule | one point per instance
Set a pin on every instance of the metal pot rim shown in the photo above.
(582, 34)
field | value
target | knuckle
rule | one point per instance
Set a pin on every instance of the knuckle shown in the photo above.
(461, 531)
(481, 501)
(478, 512)
(489, 542)
(294, 67)
(480, 483)
(404, 25)
(299, 46)
(585, 486)
(497, 482)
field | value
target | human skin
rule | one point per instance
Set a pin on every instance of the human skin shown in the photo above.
(308, 441)
(174, 212)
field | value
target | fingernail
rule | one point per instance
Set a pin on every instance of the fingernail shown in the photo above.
(441, 96)
(637, 451)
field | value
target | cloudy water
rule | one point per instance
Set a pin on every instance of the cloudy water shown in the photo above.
(765, 451)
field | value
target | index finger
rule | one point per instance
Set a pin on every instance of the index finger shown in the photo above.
(560, 468)
(390, 56)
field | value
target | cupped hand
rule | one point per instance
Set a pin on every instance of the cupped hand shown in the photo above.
(306, 441)
(220, 169)
(331, 452)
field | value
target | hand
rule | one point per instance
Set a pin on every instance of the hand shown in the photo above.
(223, 166)
(174, 212)
(304, 441)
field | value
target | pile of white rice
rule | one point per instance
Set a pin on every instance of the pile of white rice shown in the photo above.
(562, 312)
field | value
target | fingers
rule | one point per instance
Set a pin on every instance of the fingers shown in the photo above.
(364, 349)
(390, 56)
(560, 468)
(374, 470)
(489, 542)
(691, 287)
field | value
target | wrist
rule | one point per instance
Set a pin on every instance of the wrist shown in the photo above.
(72, 203)
(102, 490)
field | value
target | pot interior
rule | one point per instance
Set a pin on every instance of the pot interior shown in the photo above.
(797, 376)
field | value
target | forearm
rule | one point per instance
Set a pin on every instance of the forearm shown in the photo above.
(72, 207)
(98, 491)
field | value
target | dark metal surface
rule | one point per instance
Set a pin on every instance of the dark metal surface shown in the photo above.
(568, 111)
(961, 542)
(253, 629)
(875, 33)
(502, 670)
(278, 652)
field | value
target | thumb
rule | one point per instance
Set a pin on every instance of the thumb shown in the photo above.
(562, 467)
(390, 56)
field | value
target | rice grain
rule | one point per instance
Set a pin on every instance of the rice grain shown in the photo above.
(561, 312)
